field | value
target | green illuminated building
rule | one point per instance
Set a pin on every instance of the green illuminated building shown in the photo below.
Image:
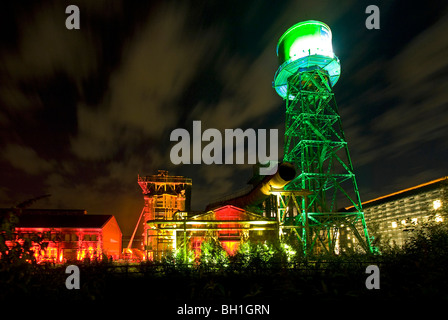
(315, 141)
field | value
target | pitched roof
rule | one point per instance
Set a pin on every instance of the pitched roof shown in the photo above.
(236, 214)
(63, 221)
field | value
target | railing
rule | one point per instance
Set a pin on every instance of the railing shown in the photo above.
(167, 179)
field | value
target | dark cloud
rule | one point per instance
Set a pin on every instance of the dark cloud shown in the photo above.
(26, 159)
(396, 122)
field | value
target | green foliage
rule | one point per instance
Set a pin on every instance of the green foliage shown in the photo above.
(257, 271)
(178, 257)
(429, 242)
(213, 254)
(263, 255)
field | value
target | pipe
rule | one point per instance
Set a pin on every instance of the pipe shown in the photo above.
(135, 229)
(285, 173)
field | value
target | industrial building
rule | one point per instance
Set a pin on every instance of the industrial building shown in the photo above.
(164, 197)
(168, 224)
(300, 199)
(303, 205)
(68, 235)
(391, 217)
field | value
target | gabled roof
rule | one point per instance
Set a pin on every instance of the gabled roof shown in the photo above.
(243, 214)
(87, 221)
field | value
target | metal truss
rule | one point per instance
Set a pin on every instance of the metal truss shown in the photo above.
(315, 143)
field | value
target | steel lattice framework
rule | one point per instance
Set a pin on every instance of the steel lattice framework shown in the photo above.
(315, 143)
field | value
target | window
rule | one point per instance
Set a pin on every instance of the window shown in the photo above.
(52, 253)
(436, 204)
(90, 237)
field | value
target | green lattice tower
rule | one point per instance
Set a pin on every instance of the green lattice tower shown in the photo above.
(315, 141)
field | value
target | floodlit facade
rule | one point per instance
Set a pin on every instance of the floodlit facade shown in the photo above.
(393, 216)
(164, 196)
(169, 225)
(228, 224)
(68, 235)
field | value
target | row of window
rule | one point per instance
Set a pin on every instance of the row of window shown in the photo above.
(415, 221)
(62, 237)
(418, 199)
(426, 206)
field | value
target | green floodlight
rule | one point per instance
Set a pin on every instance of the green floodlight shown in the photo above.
(315, 143)
(303, 46)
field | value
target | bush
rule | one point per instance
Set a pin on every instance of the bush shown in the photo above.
(213, 254)
(428, 243)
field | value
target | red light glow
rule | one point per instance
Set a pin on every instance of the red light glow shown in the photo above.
(231, 247)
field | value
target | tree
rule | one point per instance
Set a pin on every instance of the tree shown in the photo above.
(18, 250)
(213, 254)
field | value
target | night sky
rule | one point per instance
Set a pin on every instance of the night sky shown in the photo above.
(83, 112)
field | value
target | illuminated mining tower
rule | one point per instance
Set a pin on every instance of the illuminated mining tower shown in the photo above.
(315, 142)
(165, 197)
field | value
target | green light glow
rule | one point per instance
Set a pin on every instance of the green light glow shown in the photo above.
(315, 141)
(289, 252)
(305, 45)
(305, 39)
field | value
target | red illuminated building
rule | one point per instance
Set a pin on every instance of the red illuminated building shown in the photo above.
(231, 226)
(68, 235)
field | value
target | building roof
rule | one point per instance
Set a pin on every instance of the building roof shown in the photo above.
(404, 192)
(236, 213)
(94, 221)
(78, 212)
